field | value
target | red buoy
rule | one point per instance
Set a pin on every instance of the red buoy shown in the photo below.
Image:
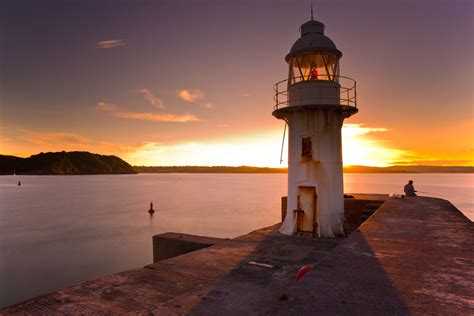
(301, 272)
(151, 210)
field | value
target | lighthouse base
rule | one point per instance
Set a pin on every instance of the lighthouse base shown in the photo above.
(331, 225)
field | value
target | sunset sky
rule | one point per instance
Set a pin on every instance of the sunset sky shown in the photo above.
(190, 82)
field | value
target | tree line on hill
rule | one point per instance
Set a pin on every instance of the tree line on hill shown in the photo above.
(64, 163)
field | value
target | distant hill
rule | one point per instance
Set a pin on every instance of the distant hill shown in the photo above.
(409, 169)
(81, 162)
(348, 169)
(64, 163)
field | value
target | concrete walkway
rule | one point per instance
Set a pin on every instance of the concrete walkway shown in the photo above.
(412, 256)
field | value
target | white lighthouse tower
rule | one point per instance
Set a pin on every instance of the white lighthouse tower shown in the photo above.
(314, 101)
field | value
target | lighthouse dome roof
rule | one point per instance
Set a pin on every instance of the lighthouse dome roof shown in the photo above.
(313, 39)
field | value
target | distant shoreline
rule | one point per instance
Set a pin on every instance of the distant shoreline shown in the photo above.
(348, 169)
(85, 163)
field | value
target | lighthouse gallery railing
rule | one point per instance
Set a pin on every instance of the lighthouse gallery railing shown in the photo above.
(348, 92)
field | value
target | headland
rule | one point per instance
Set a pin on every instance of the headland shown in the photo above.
(64, 163)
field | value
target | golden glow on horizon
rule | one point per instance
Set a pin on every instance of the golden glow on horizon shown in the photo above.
(359, 148)
(362, 145)
(264, 151)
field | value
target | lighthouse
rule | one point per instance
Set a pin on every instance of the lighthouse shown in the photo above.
(314, 101)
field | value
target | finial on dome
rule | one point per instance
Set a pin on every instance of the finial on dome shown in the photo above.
(311, 11)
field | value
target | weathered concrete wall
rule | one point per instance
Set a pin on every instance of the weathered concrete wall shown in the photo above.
(284, 203)
(356, 210)
(321, 171)
(170, 245)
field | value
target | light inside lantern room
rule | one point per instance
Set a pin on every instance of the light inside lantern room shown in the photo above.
(314, 66)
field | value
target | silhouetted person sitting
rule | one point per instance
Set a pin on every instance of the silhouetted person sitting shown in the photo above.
(409, 189)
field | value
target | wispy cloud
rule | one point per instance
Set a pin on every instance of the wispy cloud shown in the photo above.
(106, 106)
(112, 110)
(361, 129)
(111, 43)
(152, 99)
(190, 95)
(55, 138)
(147, 116)
(246, 94)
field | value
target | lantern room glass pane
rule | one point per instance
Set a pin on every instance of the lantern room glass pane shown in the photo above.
(313, 66)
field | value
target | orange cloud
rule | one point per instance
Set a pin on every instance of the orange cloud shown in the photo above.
(110, 43)
(28, 142)
(147, 116)
(190, 95)
(153, 100)
(106, 106)
(361, 129)
(55, 138)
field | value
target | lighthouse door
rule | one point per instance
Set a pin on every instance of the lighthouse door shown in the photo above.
(307, 205)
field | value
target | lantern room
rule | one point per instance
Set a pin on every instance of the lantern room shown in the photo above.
(313, 56)
(313, 77)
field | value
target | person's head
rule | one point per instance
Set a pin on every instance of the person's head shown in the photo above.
(411, 181)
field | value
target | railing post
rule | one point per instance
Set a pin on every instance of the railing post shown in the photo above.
(355, 93)
(276, 104)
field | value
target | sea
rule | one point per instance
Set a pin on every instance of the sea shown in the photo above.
(56, 231)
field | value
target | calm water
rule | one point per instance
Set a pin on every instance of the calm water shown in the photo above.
(60, 230)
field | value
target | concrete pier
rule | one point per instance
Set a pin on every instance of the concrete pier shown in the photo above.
(413, 256)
